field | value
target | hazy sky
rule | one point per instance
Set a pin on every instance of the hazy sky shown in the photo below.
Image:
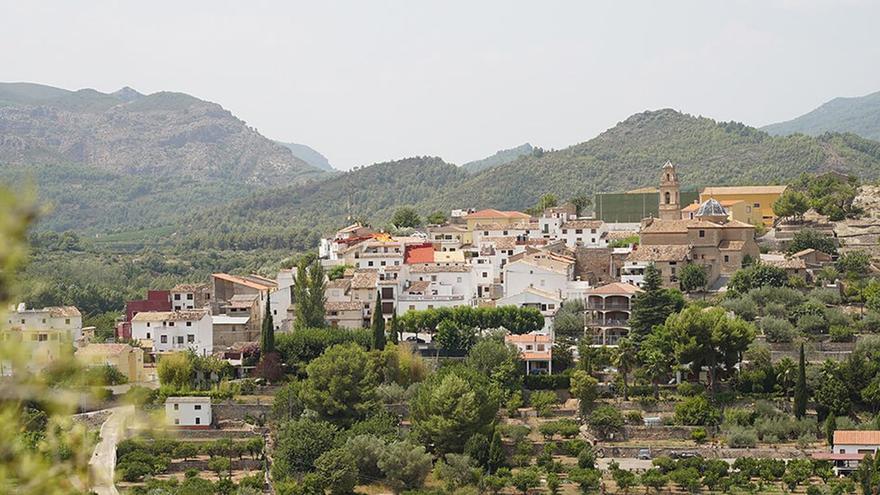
(368, 81)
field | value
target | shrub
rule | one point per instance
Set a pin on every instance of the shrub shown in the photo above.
(696, 411)
(605, 420)
(812, 324)
(777, 329)
(774, 309)
(543, 401)
(134, 471)
(744, 307)
(572, 447)
(587, 458)
(784, 296)
(738, 416)
(841, 334)
(514, 432)
(689, 389)
(634, 418)
(547, 382)
(870, 323)
(739, 438)
(699, 435)
(831, 297)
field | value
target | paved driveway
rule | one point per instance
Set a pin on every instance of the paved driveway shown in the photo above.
(103, 462)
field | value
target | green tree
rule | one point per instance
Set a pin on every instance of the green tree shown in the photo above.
(605, 420)
(800, 387)
(338, 471)
(657, 356)
(623, 479)
(456, 471)
(378, 324)
(497, 458)
(308, 293)
(341, 383)
(436, 218)
(455, 337)
(625, 360)
(792, 203)
(525, 479)
(405, 465)
(267, 332)
(708, 337)
(855, 264)
(175, 369)
(366, 450)
(394, 328)
(756, 276)
(299, 444)
(477, 448)
(585, 389)
(696, 411)
(581, 203)
(811, 239)
(653, 305)
(497, 361)
(653, 478)
(587, 479)
(287, 404)
(693, 277)
(406, 217)
(451, 406)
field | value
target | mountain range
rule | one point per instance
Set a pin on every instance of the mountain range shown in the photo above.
(859, 115)
(194, 175)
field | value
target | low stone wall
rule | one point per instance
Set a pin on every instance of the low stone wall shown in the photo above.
(228, 411)
(658, 432)
(609, 450)
(210, 434)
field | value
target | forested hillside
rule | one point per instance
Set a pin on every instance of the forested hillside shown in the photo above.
(859, 115)
(499, 158)
(629, 156)
(295, 217)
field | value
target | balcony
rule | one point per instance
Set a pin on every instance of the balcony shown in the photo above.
(608, 306)
(607, 322)
(413, 297)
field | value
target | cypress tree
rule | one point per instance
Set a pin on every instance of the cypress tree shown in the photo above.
(497, 458)
(830, 426)
(393, 331)
(800, 387)
(378, 324)
(267, 332)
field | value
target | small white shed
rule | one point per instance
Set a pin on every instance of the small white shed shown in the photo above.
(188, 412)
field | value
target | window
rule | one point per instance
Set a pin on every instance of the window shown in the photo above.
(757, 205)
(668, 198)
(540, 347)
(190, 338)
(43, 337)
(369, 263)
(176, 407)
(176, 421)
(702, 233)
(148, 335)
(726, 258)
(592, 231)
(458, 280)
(177, 297)
(197, 407)
(67, 321)
(189, 323)
(163, 339)
(180, 339)
(578, 231)
(485, 275)
(170, 323)
(528, 347)
(148, 324)
(198, 421)
(189, 296)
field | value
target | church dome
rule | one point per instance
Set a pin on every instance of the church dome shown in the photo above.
(711, 208)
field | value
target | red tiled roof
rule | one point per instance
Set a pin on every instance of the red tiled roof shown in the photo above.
(615, 288)
(857, 437)
(423, 253)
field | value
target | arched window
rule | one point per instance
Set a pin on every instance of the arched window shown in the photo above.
(668, 198)
(668, 177)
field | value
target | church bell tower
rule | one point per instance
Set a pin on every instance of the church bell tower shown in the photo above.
(670, 203)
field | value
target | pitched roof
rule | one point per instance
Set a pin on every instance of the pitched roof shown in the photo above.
(667, 226)
(500, 242)
(660, 252)
(545, 260)
(364, 279)
(108, 349)
(418, 286)
(492, 213)
(583, 224)
(857, 437)
(342, 306)
(423, 253)
(727, 245)
(528, 338)
(339, 283)
(181, 315)
(615, 235)
(62, 311)
(787, 263)
(440, 268)
(614, 288)
(254, 282)
(722, 190)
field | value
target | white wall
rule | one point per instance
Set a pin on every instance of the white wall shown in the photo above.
(42, 320)
(188, 413)
(518, 276)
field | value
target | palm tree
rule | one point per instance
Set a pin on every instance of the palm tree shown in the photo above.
(625, 360)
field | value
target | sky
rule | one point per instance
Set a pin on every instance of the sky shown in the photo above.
(371, 81)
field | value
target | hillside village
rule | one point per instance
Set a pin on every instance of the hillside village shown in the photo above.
(639, 352)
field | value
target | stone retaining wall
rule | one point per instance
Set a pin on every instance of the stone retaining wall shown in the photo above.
(227, 411)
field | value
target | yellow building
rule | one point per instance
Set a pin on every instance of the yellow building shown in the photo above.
(758, 200)
(127, 359)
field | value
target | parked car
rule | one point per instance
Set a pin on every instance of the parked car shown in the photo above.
(683, 454)
(644, 454)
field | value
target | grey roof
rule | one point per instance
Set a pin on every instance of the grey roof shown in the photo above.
(711, 208)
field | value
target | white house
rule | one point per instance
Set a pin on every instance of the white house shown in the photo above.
(188, 412)
(281, 301)
(539, 269)
(848, 448)
(586, 233)
(536, 350)
(546, 302)
(170, 331)
(66, 320)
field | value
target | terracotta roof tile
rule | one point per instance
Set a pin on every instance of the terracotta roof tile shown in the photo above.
(857, 437)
